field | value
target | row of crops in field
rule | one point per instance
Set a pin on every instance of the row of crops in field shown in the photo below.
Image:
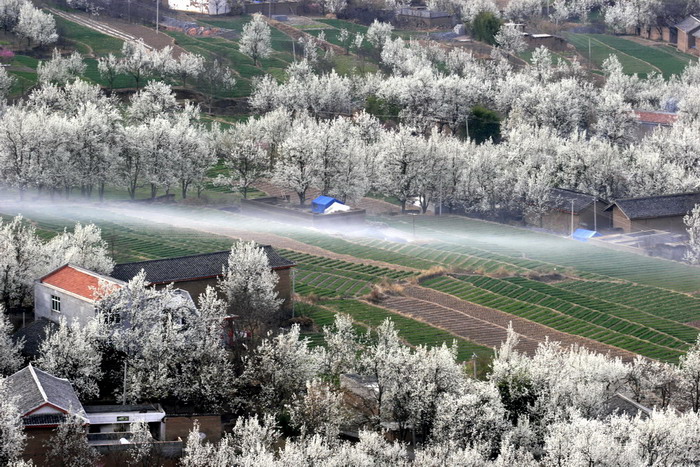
(618, 304)
(412, 331)
(589, 261)
(327, 277)
(665, 303)
(560, 315)
(128, 239)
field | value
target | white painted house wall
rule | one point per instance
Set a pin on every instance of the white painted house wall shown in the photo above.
(73, 307)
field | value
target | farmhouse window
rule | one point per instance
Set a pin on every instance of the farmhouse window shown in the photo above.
(55, 303)
(113, 317)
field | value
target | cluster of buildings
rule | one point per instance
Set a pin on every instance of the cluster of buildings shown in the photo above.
(69, 292)
(684, 35)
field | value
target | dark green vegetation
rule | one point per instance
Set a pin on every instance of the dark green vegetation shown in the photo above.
(485, 26)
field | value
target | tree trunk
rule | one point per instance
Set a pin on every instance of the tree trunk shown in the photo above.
(154, 190)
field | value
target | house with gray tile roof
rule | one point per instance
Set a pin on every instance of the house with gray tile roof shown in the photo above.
(663, 212)
(43, 399)
(195, 272)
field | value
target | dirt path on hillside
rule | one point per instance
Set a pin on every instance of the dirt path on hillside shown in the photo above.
(122, 30)
(484, 325)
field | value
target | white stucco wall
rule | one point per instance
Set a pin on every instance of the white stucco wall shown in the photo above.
(206, 7)
(72, 306)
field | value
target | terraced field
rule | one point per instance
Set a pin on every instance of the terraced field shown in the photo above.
(568, 317)
(412, 331)
(327, 277)
(607, 300)
(534, 250)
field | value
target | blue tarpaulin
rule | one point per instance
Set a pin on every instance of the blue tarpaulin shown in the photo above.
(583, 235)
(322, 203)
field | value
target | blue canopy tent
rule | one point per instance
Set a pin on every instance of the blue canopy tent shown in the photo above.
(320, 204)
(583, 235)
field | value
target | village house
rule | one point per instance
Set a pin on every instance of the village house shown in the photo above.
(70, 292)
(650, 121)
(43, 401)
(588, 212)
(423, 18)
(196, 272)
(689, 35)
(664, 212)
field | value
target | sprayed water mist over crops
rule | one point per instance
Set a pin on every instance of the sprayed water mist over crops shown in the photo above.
(621, 300)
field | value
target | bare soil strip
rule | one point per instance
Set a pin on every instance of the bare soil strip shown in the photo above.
(484, 325)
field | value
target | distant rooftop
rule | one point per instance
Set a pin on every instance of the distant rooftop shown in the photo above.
(423, 13)
(186, 268)
(656, 118)
(560, 199)
(689, 25)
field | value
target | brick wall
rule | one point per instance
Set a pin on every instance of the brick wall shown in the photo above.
(179, 426)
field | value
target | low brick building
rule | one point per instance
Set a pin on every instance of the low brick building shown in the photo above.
(588, 212)
(663, 212)
(196, 272)
(689, 35)
(44, 401)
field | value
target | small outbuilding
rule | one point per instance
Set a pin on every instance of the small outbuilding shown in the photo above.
(321, 203)
(564, 206)
(689, 35)
(664, 212)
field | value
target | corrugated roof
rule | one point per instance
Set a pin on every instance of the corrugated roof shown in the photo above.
(35, 388)
(76, 280)
(185, 268)
(650, 207)
(688, 25)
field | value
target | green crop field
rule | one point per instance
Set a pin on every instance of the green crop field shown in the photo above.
(600, 51)
(412, 331)
(563, 315)
(633, 302)
(328, 277)
(534, 250)
(634, 56)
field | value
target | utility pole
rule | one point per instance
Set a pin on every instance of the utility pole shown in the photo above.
(124, 393)
(474, 356)
(572, 218)
(595, 215)
(294, 276)
(590, 56)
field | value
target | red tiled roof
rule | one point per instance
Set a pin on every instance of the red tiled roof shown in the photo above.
(74, 280)
(656, 118)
